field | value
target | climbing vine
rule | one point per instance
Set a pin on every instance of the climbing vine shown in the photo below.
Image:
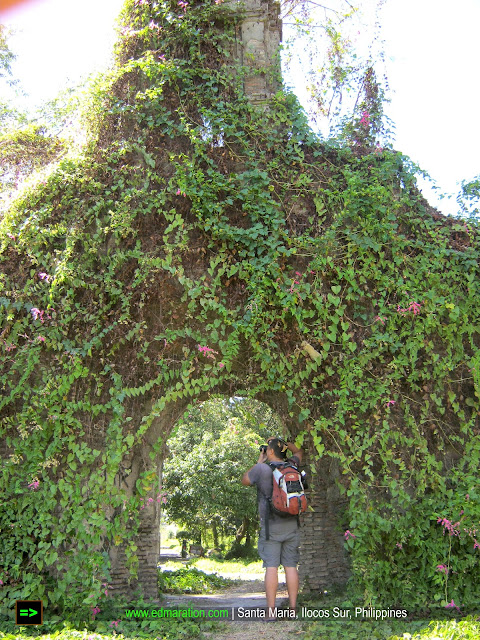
(203, 245)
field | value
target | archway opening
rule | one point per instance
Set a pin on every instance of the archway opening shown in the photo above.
(205, 510)
(208, 450)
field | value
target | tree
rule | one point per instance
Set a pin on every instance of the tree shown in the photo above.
(340, 51)
(469, 197)
(6, 54)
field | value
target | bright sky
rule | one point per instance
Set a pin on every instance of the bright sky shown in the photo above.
(432, 50)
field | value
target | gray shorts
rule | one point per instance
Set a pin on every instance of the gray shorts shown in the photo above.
(282, 548)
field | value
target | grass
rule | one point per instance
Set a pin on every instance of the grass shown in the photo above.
(233, 569)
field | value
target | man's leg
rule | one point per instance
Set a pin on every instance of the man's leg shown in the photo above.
(291, 576)
(271, 585)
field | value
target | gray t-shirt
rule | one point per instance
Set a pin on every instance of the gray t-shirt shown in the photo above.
(261, 475)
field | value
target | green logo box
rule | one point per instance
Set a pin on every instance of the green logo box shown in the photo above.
(29, 612)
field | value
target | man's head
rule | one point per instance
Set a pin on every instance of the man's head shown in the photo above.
(277, 448)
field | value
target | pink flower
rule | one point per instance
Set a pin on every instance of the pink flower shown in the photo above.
(293, 285)
(38, 314)
(183, 5)
(44, 276)
(379, 319)
(476, 545)
(378, 150)
(154, 26)
(34, 485)
(365, 119)
(221, 365)
(35, 312)
(348, 535)
(41, 339)
(448, 526)
(207, 351)
(95, 610)
(114, 622)
(390, 403)
(415, 307)
(451, 605)
(399, 545)
(442, 567)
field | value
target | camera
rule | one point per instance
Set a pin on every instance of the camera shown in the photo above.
(263, 448)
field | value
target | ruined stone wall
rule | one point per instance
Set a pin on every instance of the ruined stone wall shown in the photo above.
(258, 40)
(323, 559)
(148, 554)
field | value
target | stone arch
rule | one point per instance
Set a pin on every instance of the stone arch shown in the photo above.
(323, 560)
(171, 271)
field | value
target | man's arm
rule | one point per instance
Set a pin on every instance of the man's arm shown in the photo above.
(245, 479)
(295, 451)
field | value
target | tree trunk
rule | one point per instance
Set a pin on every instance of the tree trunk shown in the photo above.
(243, 530)
(215, 534)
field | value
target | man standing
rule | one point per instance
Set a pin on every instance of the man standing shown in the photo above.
(282, 547)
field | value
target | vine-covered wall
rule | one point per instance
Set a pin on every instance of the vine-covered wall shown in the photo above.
(202, 245)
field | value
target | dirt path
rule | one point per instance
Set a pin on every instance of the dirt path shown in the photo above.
(249, 593)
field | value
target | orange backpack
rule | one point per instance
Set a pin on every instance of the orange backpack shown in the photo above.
(288, 494)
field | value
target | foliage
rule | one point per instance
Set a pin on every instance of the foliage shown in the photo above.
(209, 451)
(6, 54)
(190, 580)
(345, 52)
(24, 150)
(431, 549)
(11, 117)
(202, 246)
(340, 621)
(466, 629)
(469, 196)
(117, 626)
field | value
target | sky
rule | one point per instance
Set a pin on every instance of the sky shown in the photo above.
(432, 55)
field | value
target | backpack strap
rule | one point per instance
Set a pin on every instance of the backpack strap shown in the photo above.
(267, 518)
(267, 515)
